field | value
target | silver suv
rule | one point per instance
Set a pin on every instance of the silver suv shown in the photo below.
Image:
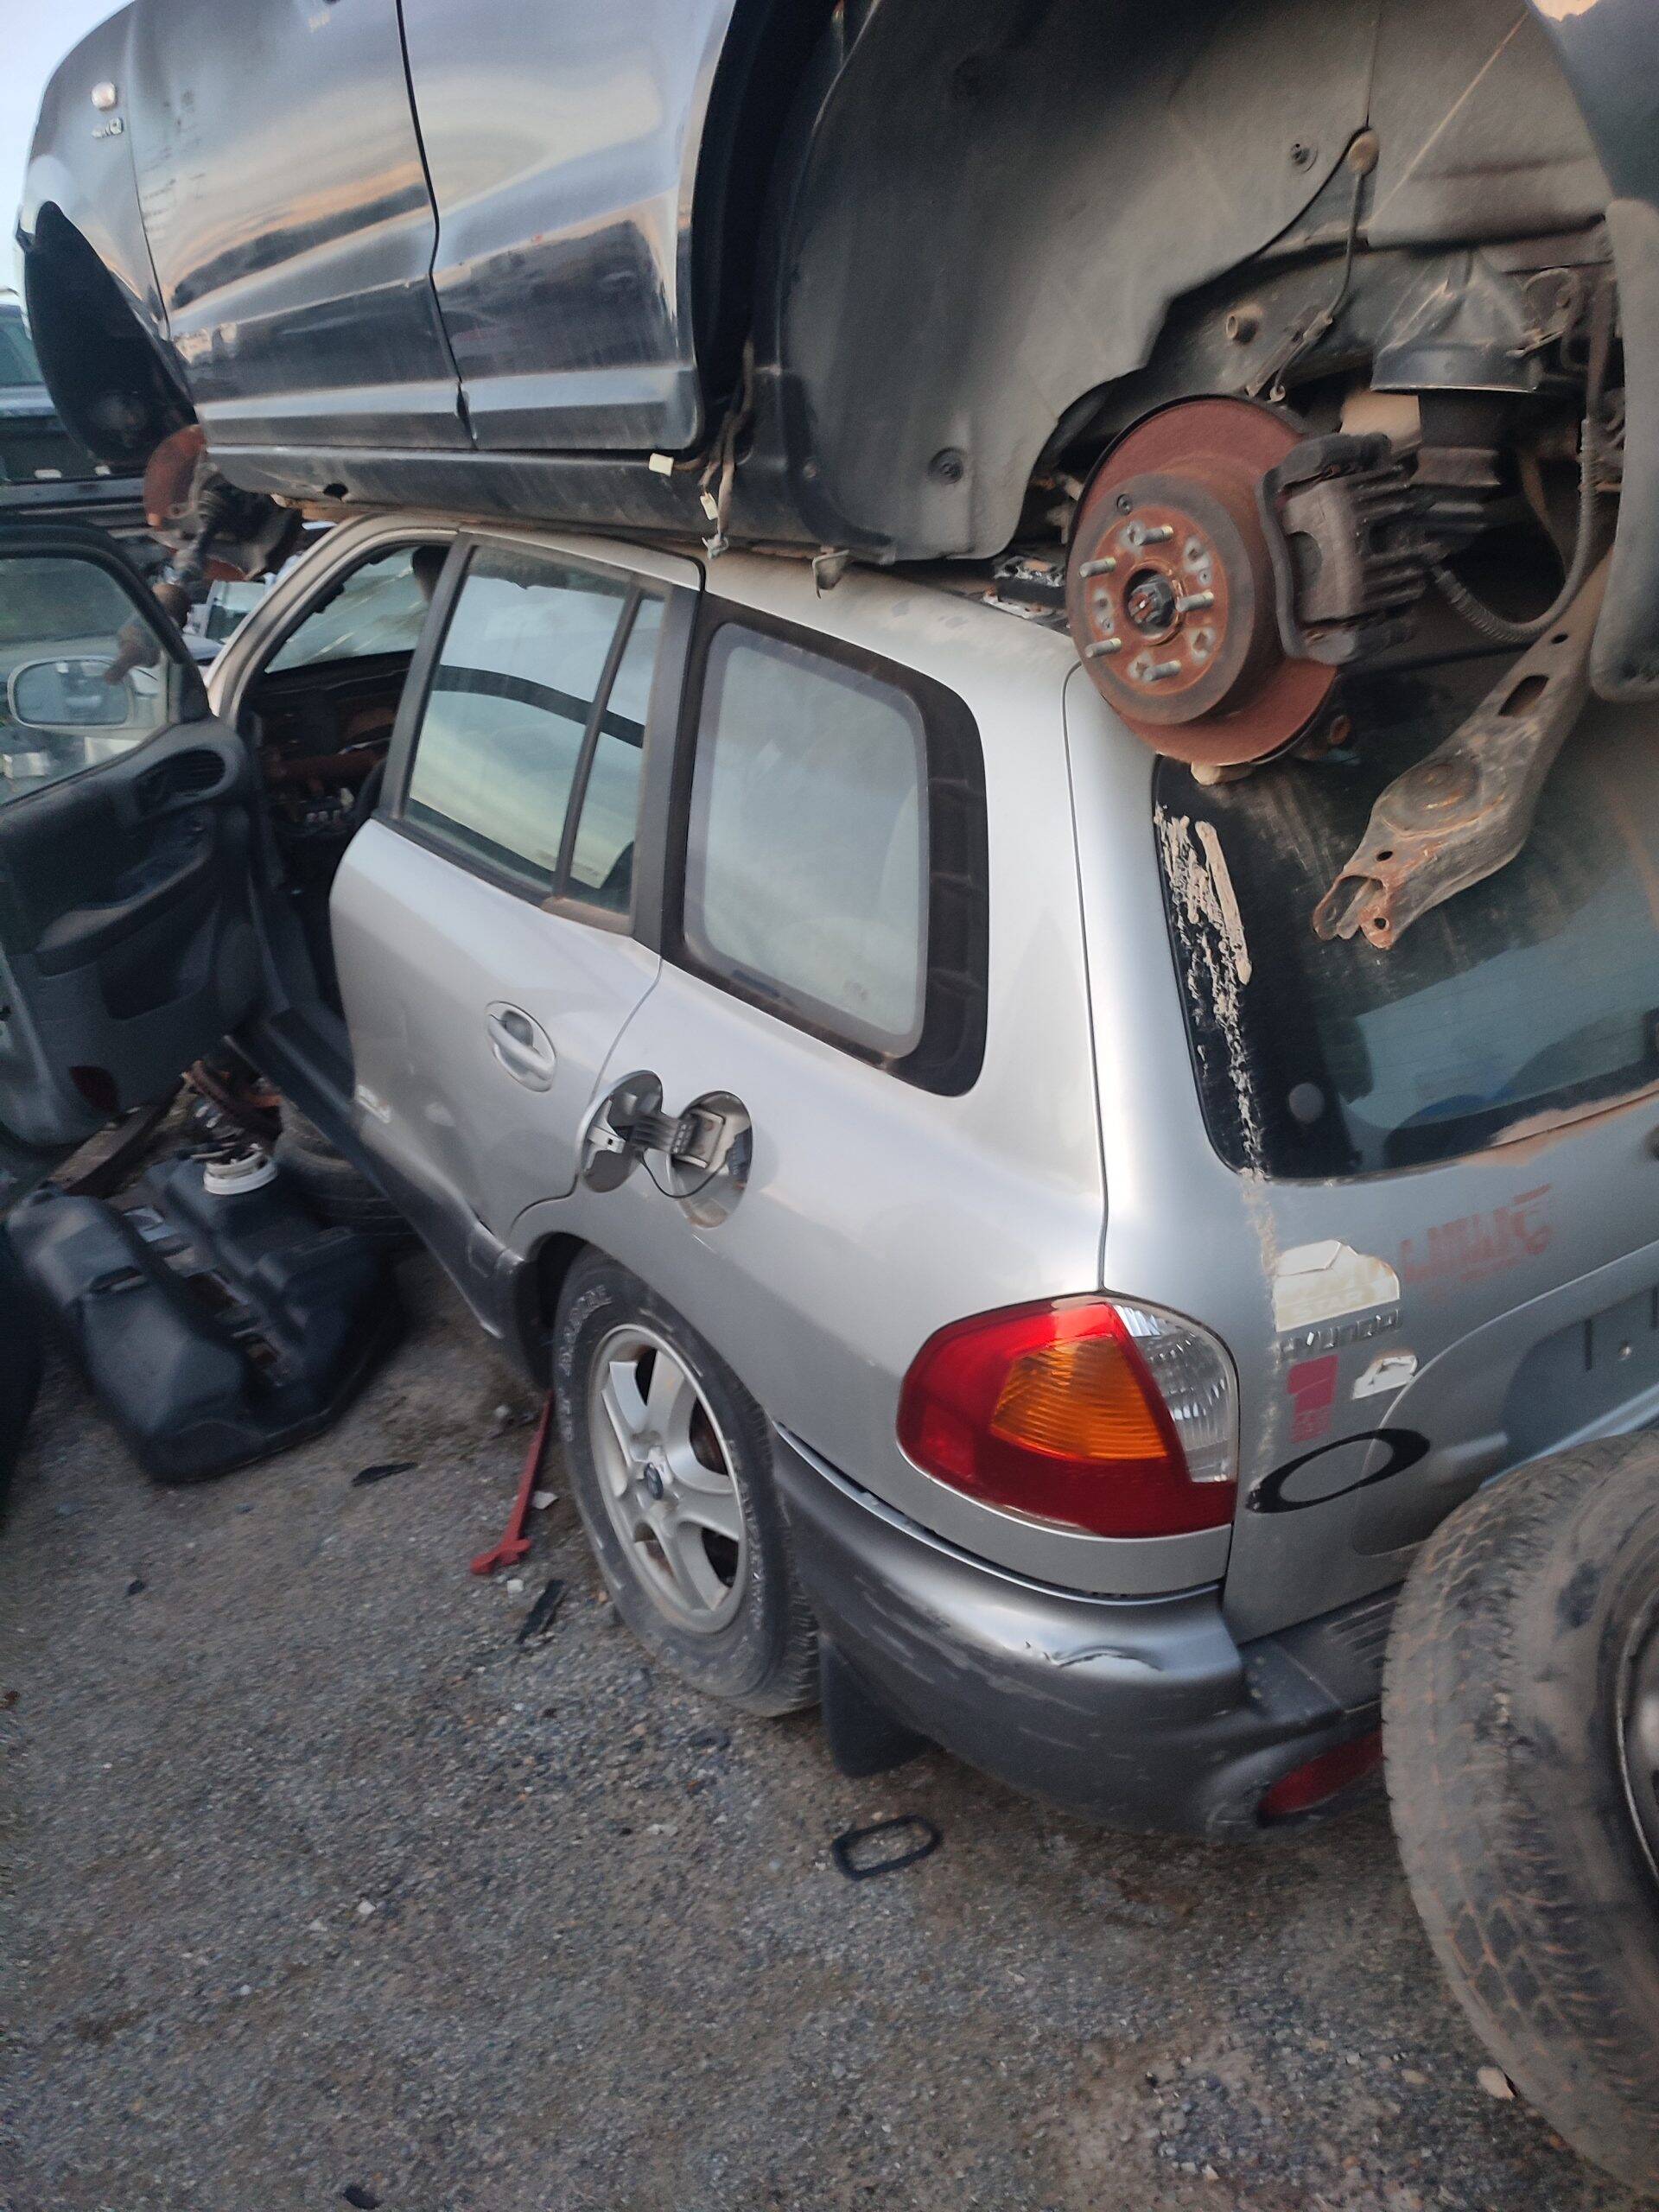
(996, 1264)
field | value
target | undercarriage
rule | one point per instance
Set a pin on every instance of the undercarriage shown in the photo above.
(1273, 350)
(1424, 468)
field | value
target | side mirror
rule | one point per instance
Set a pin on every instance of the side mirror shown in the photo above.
(73, 695)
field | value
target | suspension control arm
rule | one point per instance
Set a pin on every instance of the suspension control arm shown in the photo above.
(1466, 810)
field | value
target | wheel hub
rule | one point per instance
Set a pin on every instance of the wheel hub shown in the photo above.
(1169, 587)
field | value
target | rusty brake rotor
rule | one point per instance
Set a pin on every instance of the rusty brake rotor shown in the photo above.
(185, 493)
(1170, 591)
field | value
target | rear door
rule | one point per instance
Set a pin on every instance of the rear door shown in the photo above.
(286, 206)
(562, 142)
(127, 946)
(484, 923)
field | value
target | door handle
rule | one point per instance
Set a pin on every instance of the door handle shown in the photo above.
(522, 1046)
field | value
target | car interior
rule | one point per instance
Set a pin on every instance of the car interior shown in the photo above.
(319, 718)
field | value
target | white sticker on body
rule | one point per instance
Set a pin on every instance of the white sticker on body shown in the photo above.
(1318, 1282)
(1391, 1372)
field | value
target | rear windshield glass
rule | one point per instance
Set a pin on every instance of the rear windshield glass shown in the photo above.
(1532, 993)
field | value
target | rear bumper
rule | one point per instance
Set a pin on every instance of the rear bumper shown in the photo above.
(1142, 1714)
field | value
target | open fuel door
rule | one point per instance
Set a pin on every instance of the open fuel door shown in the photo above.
(127, 946)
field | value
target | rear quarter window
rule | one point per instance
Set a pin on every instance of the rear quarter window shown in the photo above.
(832, 860)
(1533, 994)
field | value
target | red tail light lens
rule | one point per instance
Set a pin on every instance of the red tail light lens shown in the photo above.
(1322, 1779)
(1114, 1419)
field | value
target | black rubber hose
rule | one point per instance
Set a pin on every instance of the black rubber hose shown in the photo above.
(1475, 611)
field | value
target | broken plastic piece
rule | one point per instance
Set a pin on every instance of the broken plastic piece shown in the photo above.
(381, 1469)
(929, 1838)
(543, 1614)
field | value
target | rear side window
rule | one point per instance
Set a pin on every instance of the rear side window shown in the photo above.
(527, 757)
(833, 860)
(1532, 993)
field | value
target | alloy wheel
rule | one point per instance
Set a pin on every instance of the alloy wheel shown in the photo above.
(666, 1475)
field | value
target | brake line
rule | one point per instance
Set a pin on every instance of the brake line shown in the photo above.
(1475, 611)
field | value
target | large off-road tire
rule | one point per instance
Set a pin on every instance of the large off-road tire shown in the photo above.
(331, 1187)
(1521, 1725)
(670, 1462)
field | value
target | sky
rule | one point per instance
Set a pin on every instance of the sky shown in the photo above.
(34, 38)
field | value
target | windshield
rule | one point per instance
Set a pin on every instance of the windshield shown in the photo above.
(228, 607)
(1535, 992)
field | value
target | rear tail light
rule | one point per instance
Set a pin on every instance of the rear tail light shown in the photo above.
(1089, 1413)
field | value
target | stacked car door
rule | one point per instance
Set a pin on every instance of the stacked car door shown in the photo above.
(562, 142)
(288, 218)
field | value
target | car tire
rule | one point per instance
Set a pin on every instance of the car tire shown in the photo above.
(20, 1360)
(332, 1187)
(703, 1570)
(1520, 1728)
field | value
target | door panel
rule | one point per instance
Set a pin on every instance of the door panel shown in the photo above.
(290, 221)
(127, 946)
(435, 965)
(562, 143)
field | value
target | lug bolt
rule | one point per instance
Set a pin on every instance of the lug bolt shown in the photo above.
(1188, 602)
(1103, 567)
(1102, 645)
(1161, 671)
(1154, 533)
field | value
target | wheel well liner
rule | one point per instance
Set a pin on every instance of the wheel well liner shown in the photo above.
(108, 380)
(543, 1279)
(996, 208)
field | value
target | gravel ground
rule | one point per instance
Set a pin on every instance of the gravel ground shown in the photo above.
(318, 1889)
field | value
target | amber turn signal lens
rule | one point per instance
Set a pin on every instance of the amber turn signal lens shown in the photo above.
(1080, 1400)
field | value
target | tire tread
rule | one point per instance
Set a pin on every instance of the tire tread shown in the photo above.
(1476, 1779)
